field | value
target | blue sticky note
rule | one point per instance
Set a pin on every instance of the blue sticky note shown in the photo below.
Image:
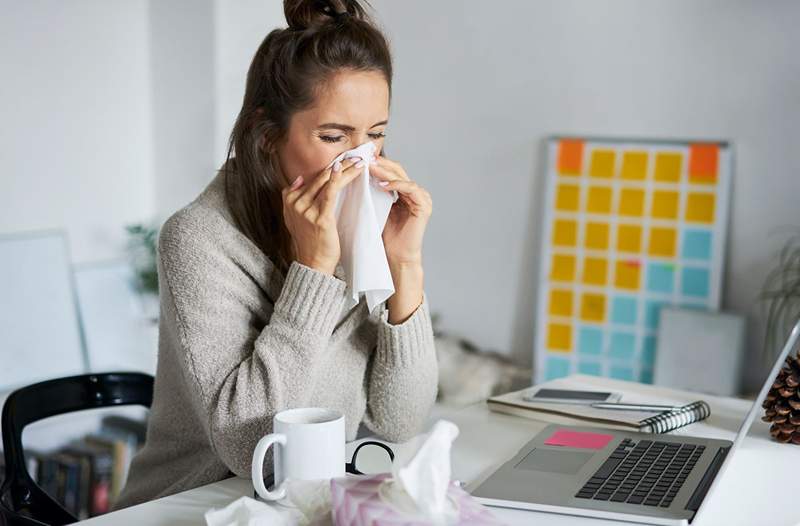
(646, 376)
(623, 310)
(622, 345)
(592, 368)
(557, 367)
(694, 282)
(697, 244)
(649, 351)
(652, 311)
(590, 340)
(660, 277)
(621, 373)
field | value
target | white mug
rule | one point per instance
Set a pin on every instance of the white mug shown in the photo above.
(311, 443)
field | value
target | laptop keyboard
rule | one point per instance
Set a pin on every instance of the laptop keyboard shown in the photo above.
(648, 473)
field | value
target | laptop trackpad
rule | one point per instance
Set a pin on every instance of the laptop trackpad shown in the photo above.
(553, 461)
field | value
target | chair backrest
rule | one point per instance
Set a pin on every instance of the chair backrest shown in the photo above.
(50, 398)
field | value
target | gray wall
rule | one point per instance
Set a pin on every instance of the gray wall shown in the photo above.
(479, 84)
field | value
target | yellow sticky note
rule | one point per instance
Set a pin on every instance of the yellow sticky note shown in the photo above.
(629, 238)
(564, 233)
(665, 204)
(668, 167)
(634, 165)
(596, 235)
(594, 271)
(593, 307)
(561, 302)
(599, 200)
(626, 275)
(602, 164)
(631, 202)
(662, 242)
(559, 337)
(700, 207)
(567, 197)
(563, 268)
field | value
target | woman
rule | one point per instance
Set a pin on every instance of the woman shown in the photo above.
(253, 314)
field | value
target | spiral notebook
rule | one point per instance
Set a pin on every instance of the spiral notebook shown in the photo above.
(645, 422)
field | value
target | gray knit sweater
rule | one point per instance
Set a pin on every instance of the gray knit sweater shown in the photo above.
(239, 342)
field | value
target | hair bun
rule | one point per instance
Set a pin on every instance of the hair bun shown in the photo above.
(306, 14)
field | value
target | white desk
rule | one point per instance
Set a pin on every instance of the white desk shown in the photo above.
(759, 487)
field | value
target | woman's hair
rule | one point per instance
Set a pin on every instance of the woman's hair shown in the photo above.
(288, 70)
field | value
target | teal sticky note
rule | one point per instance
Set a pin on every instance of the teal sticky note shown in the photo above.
(660, 277)
(694, 282)
(621, 373)
(592, 368)
(590, 340)
(623, 310)
(556, 367)
(622, 346)
(649, 351)
(651, 313)
(696, 244)
(646, 376)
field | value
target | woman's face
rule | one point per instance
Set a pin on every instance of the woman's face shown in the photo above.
(352, 109)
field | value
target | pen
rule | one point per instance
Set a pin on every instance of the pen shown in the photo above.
(634, 407)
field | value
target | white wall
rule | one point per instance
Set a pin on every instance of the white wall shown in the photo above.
(479, 85)
(75, 133)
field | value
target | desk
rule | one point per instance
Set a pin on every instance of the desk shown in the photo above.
(759, 487)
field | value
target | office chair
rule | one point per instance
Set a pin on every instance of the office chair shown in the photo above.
(19, 493)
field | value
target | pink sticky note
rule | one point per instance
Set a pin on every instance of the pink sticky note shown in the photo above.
(565, 437)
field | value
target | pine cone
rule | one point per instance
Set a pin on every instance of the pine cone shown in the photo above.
(782, 403)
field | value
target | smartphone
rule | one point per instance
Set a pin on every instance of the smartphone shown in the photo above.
(569, 396)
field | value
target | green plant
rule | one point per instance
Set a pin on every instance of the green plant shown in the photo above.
(142, 245)
(781, 291)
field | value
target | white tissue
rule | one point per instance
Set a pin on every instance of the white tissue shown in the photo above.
(361, 211)
(421, 472)
(307, 503)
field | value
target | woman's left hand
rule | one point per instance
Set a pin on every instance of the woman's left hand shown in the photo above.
(408, 217)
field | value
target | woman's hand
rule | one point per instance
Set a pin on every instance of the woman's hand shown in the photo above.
(408, 217)
(309, 215)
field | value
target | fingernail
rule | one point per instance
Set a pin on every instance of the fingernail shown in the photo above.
(360, 164)
(337, 166)
(383, 183)
(297, 182)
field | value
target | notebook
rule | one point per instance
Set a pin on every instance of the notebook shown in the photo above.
(645, 422)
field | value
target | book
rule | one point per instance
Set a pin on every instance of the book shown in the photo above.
(573, 414)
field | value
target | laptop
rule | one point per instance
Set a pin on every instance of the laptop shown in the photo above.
(619, 475)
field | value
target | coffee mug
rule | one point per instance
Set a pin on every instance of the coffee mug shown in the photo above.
(309, 445)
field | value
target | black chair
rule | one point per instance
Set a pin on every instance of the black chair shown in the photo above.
(19, 494)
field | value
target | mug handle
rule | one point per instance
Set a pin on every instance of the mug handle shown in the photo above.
(258, 467)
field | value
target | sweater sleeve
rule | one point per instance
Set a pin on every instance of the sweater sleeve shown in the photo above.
(403, 378)
(238, 371)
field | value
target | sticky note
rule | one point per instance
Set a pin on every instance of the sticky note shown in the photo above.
(668, 167)
(652, 312)
(563, 268)
(619, 372)
(590, 341)
(590, 368)
(593, 307)
(602, 164)
(567, 197)
(594, 271)
(700, 207)
(564, 233)
(599, 200)
(629, 238)
(626, 275)
(665, 204)
(703, 163)
(649, 351)
(696, 244)
(559, 337)
(556, 367)
(631, 202)
(570, 157)
(695, 282)
(660, 277)
(561, 302)
(634, 165)
(623, 310)
(646, 376)
(578, 439)
(662, 242)
(596, 235)
(622, 346)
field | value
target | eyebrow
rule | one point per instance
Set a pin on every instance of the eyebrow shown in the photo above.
(345, 127)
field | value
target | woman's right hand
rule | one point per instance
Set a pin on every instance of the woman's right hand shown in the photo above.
(309, 215)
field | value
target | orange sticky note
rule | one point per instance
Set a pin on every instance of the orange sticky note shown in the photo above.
(703, 163)
(570, 157)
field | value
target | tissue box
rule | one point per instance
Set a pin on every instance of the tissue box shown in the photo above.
(356, 501)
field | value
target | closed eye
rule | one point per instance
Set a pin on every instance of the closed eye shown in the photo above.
(338, 138)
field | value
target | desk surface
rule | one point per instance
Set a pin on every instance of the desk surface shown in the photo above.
(759, 486)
